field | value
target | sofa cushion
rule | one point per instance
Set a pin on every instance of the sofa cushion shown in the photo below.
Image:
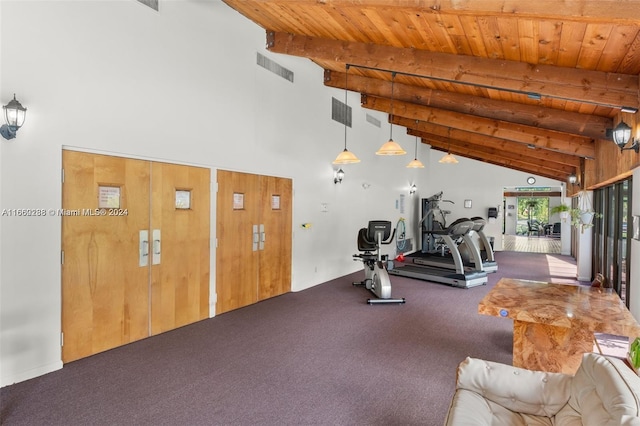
(535, 393)
(604, 392)
(471, 408)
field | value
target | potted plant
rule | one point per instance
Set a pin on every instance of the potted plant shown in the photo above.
(582, 216)
(563, 210)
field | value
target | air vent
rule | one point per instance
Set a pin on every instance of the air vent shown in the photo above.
(275, 67)
(371, 119)
(153, 4)
(340, 112)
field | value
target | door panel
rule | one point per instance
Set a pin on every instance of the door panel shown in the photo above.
(275, 259)
(180, 281)
(114, 293)
(105, 293)
(236, 260)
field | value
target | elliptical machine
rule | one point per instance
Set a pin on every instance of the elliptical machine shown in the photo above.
(376, 276)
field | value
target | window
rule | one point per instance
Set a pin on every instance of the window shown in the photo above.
(611, 235)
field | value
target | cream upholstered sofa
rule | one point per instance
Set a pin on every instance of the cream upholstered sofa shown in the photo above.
(603, 392)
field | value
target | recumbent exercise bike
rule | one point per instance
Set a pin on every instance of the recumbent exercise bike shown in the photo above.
(375, 271)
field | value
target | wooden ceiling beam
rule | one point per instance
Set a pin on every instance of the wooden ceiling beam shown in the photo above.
(498, 161)
(587, 125)
(579, 85)
(428, 130)
(548, 139)
(495, 152)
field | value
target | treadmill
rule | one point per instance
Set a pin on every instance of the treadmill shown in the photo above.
(482, 247)
(449, 269)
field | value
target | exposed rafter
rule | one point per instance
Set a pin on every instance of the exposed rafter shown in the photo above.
(497, 160)
(586, 125)
(467, 149)
(429, 130)
(496, 74)
(586, 86)
(547, 139)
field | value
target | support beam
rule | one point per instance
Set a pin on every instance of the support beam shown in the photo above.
(498, 161)
(587, 125)
(509, 159)
(556, 160)
(548, 139)
(428, 130)
(592, 87)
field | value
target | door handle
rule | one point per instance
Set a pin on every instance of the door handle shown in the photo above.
(262, 236)
(143, 248)
(256, 238)
(157, 241)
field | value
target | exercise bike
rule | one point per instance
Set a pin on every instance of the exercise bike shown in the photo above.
(376, 276)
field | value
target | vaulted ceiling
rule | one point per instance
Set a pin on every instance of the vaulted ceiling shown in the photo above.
(529, 85)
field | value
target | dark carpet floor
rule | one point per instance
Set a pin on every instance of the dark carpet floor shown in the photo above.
(317, 357)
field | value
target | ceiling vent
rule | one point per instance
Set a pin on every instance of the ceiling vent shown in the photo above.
(371, 119)
(340, 112)
(275, 67)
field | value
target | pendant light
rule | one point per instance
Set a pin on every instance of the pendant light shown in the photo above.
(448, 158)
(391, 147)
(415, 163)
(346, 157)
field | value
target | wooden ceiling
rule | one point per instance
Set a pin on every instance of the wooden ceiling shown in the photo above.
(529, 85)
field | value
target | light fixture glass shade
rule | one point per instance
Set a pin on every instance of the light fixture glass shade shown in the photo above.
(448, 159)
(391, 148)
(14, 114)
(346, 157)
(622, 134)
(573, 179)
(415, 164)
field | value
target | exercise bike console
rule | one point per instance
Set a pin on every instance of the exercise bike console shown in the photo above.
(376, 280)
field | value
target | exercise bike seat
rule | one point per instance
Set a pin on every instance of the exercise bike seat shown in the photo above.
(365, 246)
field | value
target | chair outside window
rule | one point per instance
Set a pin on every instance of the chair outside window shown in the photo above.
(534, 228)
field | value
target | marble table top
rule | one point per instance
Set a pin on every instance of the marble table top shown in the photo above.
(560, 305)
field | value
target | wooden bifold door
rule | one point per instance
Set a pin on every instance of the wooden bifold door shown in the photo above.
(135, 242)
(253, 260)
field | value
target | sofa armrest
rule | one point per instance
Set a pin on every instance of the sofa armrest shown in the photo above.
(519, 390)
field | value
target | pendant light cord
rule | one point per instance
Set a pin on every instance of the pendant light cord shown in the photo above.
(393, 76)
(346, 107)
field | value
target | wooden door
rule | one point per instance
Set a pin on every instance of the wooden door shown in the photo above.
(137, 268)
(179, 245)
(105, 293)
(237, 215)
(275, 258)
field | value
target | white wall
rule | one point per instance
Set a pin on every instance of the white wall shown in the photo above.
(182, 85)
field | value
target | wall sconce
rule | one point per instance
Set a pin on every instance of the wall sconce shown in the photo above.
(413, 189)
(621, 135)
(338, 176)
(573, 179)
(14, 115)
